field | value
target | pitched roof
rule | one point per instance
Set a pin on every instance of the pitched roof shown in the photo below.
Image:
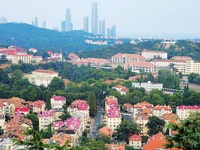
(164, 107)
(45, 71)
(143, 104)
(106, 131)
(135, 137)
(136, 56)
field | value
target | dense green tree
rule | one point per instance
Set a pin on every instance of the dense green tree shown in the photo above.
(96, 145)
(65, 114)
(56, 84)
(33, 117)
(92, 103)
(188, 134)
(125, 129)
(155, 125)
(104, 138)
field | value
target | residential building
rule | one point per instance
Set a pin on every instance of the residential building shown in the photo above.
(137, 108)
(121, 89)
(57, 101)
(192, 66)
(121, 59)
(54, 56)
(41, 77)
(128, 107)
(113, 115)
(73, 57)
(142, 120)
(94, 25)
(106, 131)
(62, 138)
(116, 146)
(139, 66)
(46, 118)
(79, 106)
(183, 112)
(111, 32)
(2, 121)
(150, 54)
(159, 111)
(22, 110)
(148, 86)
(135, 141)
(36, 59)
(37, 106)
(171, 117)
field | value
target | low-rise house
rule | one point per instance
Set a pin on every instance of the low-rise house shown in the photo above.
(121, 89)
(135, 141)
(46, 118)
(183, 112)
(57, 101)
(128, 107)
(137, 108)
(62, 139)
(116, 146)
(106, 131)
(148, 86)
(159, 111)
(41, 77)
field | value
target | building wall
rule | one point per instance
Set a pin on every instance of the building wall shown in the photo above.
(150, 55)
(135, 144)
(113, 122)
(192, 66)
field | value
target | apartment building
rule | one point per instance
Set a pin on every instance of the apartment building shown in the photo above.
(135, 141)
(37, 106)
(159, 110)
(128, 107)
(150, 54)
(148, 86)
(183, 112)
(57, 101)
(46, 118)
(79, 106)
(121, 59)
(181, 58)
(142, 120)
(137, 108)
(41, 77)
(192, 66)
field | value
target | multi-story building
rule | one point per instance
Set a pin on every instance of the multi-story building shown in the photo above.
(46, 118)
(180, 65)
(102, 27)
(181, 58)
(121, 59)
(142, 120)
(94, 25)
(137, 108)
(159, 111)
(36, 59)
(183, 112)
(68, 23)
(113, 115)
(79, 106)
(139, 66)
(41, 77)
(57, 101)
(37, 106)
(54, 56)
(192, 66)
(148, 86)
(135, 141)
(149, 54)
(121, 89)
(86, 24)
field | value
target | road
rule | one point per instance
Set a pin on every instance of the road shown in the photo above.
(96, 122)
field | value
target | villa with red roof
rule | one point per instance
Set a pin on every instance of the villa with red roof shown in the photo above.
(121, 89)
(113, 115)
(46, 118)
(57, 101)
(135, 141)
(22, 110)
(183, 112)
(79, 106)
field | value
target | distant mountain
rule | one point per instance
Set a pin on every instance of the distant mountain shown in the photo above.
(27, 36)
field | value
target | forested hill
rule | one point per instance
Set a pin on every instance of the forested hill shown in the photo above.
(181, 48)
(28, 36)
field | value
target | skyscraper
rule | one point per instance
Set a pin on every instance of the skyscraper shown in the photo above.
(35, 22)
(94, 25)
(86, 24)
(111, 32)
(62, 26)
(68, 23)
(102, 27)
(44, 24)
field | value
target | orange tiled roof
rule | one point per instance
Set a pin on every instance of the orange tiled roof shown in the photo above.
(142, 117)
(128, 105)
(106, 131)
(116, 146)
(171, 117)
(122, 88)
(159, 107)
(37, 104)
(45, 71)
(66, 81)
(135, 137)
(143, 104)
(146, 111)
(136, 56)
(61, 138)
(3, 66)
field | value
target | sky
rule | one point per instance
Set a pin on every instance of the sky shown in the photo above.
(133, 18)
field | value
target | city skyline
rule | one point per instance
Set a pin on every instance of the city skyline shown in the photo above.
(153, 18)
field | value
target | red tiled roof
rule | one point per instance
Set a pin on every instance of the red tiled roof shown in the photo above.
(135, 137)
(136, 56)
(45, 71)
(189, 107)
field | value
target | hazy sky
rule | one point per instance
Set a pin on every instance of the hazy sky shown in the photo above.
(160, 18)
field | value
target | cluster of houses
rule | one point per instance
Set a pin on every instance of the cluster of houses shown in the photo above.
(147, 61)
(18, 54)
(70, 129)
